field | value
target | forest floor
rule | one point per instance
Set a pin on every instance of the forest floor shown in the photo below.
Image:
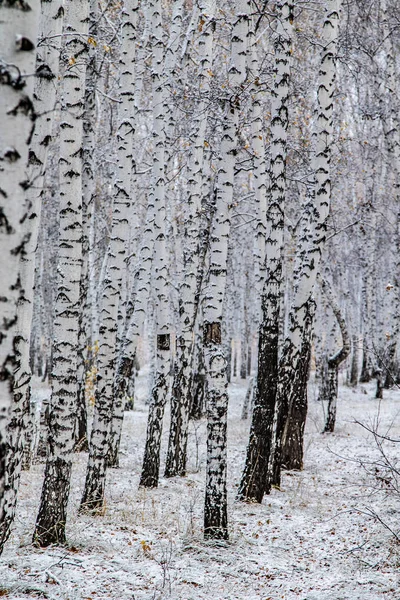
(329, 533)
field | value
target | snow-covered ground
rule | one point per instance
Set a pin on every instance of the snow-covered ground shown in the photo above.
(324, 536)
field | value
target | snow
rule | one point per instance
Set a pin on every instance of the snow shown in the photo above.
(319, 537)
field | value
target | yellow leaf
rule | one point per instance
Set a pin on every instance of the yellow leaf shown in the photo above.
(92, 41)
(206, 144)
(72, 60)
(106, 48)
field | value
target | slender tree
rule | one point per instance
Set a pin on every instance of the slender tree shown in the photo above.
(123, 190)
(294, 361)
(151, 459)
(113, 292)
(215, 508)
(51, 519)
(189, 285)
(255, 477)
(336, 359)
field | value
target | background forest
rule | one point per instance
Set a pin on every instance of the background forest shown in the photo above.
(199, 213)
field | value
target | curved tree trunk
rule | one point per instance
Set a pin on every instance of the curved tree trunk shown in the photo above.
(334, 361)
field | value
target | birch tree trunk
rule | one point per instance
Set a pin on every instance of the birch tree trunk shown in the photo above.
(52, 515)
(18, 33)
(151, 459)
(21, 415)
(215, 508)
(336, 359)
(138, 305)
(391, 130)
(294, 361)
(189, 286)
(88, 197)
(125, 140)
(254, 481)
(101, 448)
(354, 360)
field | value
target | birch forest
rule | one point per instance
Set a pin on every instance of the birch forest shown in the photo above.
(200, 299)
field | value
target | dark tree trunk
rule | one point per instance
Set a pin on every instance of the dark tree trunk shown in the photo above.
(50, 523)
(198, 384)
(390, 367)
(124, 373)
(379, 384)
(292, 399)
(354, 362)
(293, 437)
(334, 361)
(151, 460)
(81, 422)
(228, 353)
(247, 404)
(366, 374)
(332, 393)
(249, 360)
(323, 386)
(235, 357)
(180, 410)
(255, 481)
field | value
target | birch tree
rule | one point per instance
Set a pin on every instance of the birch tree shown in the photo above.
(44, 93)
(189, 285)
(151, 460)
(52, 515)
(255, 477)
(113, 293)
(18, 35)
(336, 359)
(88, 198)
(294, 361)
(215, 508)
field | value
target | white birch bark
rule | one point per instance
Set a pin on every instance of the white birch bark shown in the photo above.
(138, 304)
(336, 359)
(188, 289)
(88, 198)
(255, 477)
(391, 129)
(215, 508)
(123, 191)
(18, 38)
(44, 94)
(260, 174)
(293, 367)
(113, 296)
(151, 460)
(51, 519)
